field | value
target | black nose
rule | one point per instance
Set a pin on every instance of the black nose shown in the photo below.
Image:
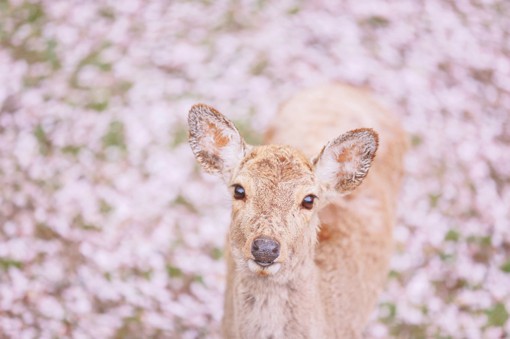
(265, 250)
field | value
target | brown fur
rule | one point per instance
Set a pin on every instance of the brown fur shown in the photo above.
(333, 258)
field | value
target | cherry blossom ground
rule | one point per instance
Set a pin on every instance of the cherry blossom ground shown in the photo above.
(110, 230)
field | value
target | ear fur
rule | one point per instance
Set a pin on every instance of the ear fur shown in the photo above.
(344, 162)
(214, 140)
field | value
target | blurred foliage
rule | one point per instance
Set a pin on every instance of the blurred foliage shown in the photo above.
(100, 245)
(6, 263)
(115, 137)
(498, 315)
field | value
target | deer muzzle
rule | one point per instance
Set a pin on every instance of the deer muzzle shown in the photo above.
(265, 250)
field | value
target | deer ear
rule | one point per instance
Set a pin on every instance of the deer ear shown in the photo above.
(214, 140)
(344, 162)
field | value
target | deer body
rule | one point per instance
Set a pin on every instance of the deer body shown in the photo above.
(295, 269)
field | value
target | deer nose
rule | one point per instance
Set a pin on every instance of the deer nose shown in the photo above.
(265, 250)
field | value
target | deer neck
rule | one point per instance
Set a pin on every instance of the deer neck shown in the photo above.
(287, 304)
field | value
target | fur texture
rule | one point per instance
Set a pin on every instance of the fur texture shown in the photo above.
(333, 257)
(214, 140)
(345, 161)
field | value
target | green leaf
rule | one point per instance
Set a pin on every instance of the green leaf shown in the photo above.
(6, 263)
(393, 274)
(486, 241)
(452, 235)
(42, 139)
(179, 136)
(498, 315)
(35, 12)
(98, 106)
(199, 279)
(294, 10)
(115, 136)
(251, 136)
(173, 272)
(416, 140)
(391, 312)
(447, 257)
(434, 199)
(259, 66)
(182, 201)
(216, 253)
(376, 21)
(506, 266)
(51, 54)
(104, 207)
(71, 149)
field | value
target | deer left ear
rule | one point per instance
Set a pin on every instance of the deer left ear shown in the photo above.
(214, 140)
(344, 162)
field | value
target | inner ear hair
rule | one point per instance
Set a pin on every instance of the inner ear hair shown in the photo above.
(344, 162)
(214, 140)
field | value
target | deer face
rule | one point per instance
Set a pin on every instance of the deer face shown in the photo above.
(271, 219)
(276, 191)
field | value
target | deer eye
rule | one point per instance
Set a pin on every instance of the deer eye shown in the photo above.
(239, 192)
(308, 201)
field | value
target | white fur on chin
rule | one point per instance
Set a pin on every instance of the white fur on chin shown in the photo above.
(268, 270)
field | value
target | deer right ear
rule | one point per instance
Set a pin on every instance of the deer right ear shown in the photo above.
(214, 140)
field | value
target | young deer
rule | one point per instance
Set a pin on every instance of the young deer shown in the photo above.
(306, 260)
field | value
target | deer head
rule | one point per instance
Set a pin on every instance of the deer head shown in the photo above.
(276, 191)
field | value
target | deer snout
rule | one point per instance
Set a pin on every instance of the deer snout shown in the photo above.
(265, 250)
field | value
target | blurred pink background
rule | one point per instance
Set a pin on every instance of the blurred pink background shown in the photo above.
(110, 230)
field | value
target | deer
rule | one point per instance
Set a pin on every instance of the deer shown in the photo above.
(310, 239)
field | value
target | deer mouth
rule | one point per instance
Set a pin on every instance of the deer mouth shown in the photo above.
(263, 268)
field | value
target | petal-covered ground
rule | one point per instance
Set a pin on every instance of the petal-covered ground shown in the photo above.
(110, 230)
